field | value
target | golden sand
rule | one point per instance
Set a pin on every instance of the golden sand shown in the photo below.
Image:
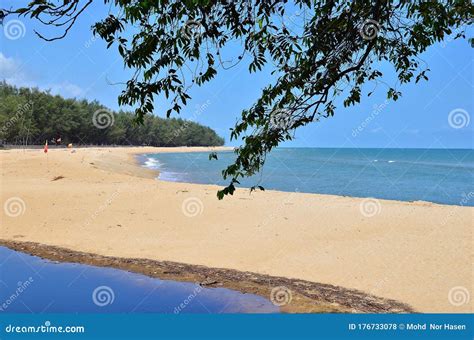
(99, 200)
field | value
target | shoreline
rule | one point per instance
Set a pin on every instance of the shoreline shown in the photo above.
(139, 163)
(105, 205)
(306, 297)
(135, 155)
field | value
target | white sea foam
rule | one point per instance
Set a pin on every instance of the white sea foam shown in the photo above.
(152, 163)
(170, 176)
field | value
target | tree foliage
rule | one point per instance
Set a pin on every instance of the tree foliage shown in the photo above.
(318, 51)
(30, 116)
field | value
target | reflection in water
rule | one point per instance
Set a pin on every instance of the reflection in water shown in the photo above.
(29, 284)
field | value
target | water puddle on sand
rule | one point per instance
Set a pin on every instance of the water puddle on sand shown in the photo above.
(29, 284)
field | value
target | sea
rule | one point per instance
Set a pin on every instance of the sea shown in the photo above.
(442, 176)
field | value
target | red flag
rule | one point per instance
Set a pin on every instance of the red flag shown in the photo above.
(45, 147)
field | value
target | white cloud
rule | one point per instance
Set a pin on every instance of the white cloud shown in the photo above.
(66, 89)
(12, 72)
(15, 73)
(7, 65)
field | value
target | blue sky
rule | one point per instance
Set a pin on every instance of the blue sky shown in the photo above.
(80, 66)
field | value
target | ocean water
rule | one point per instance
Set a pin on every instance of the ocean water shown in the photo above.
(436, 175)
(30, 284)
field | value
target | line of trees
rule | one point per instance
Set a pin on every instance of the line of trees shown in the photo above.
(30, 116)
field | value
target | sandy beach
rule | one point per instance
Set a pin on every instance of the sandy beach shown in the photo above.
(100, 201)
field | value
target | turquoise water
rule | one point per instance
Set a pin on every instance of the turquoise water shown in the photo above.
(30, 284)
(434, 175)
